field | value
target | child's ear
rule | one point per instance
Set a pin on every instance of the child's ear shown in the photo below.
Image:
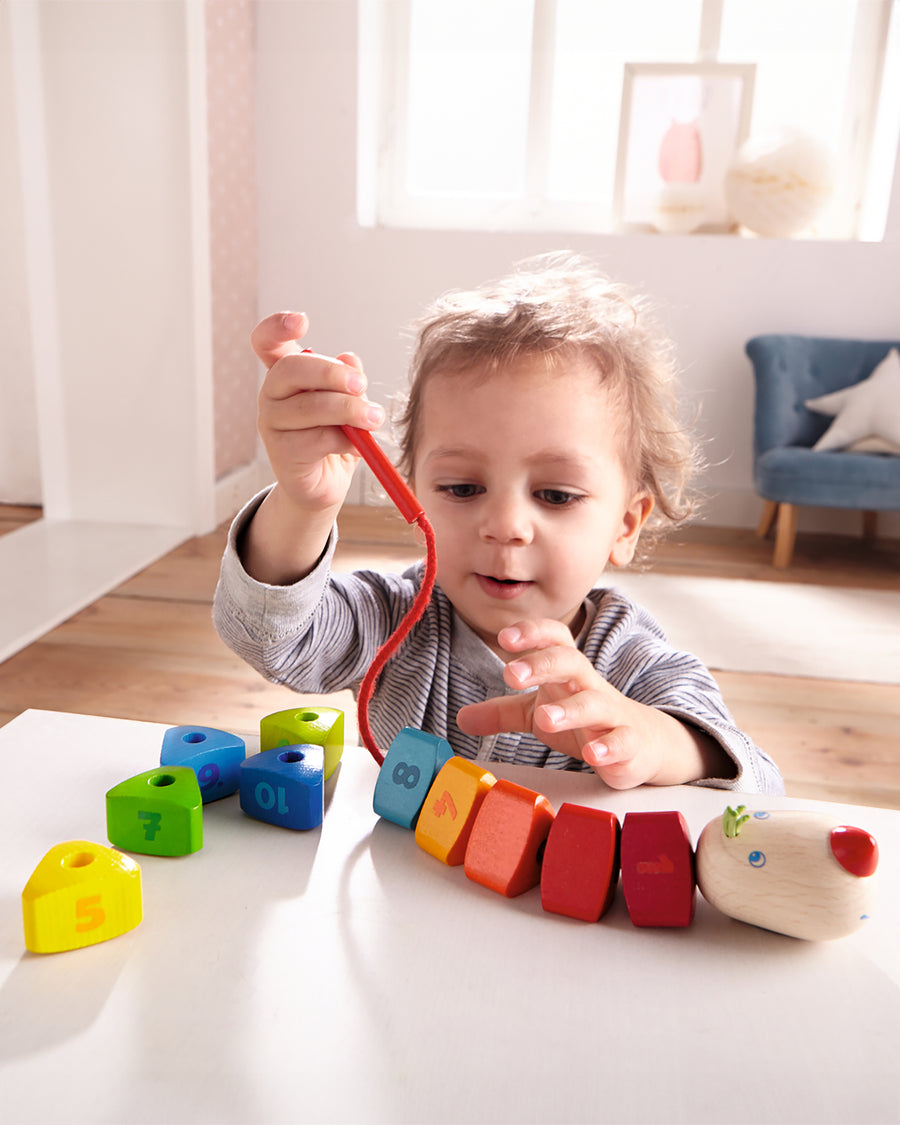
(633, 520)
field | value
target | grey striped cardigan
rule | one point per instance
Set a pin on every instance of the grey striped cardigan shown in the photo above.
(320, 636)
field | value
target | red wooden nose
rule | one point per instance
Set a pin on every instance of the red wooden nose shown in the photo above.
(855, 850)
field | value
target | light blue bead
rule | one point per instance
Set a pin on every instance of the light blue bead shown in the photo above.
(409, 768)
(215, 756)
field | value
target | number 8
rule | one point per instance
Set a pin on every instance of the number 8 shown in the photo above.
(406, 775)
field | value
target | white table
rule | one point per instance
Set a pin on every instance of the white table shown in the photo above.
(345, 975)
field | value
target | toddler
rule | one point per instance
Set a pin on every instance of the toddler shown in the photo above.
(540, 437)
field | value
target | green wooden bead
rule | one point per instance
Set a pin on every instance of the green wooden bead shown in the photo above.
(159, 812)
(315, 726)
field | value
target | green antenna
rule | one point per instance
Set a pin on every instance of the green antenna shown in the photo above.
(733, 821)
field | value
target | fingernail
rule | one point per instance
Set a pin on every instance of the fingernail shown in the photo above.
(594, 753)
(375, 414)
(519, 670)
(292, 321)
(512, 634)
(553, 713)
(355, 383)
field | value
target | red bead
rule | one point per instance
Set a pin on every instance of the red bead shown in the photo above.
(658, 869)
(581, 863)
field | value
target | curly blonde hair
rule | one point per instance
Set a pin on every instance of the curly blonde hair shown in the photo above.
(558, 306)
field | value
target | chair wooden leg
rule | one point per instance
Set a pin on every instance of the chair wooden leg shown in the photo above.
(870, 525)
(785, 534)
(767, 519)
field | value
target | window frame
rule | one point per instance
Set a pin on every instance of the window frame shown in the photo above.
(384, 77)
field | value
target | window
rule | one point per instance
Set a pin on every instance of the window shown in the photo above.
(505, 114)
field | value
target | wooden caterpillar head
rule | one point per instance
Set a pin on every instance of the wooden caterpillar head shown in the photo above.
(798, 873)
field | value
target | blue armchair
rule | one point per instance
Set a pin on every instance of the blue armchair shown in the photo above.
(787, 472)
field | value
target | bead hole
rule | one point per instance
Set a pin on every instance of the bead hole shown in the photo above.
(291, 756)
(78, 859)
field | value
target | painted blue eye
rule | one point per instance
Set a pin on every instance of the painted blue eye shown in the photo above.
(757, 859)
(761, 815)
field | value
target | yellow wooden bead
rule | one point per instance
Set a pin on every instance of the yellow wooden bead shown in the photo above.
(453, 802)
(80, 894)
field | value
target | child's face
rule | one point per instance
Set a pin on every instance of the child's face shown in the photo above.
(520, 473)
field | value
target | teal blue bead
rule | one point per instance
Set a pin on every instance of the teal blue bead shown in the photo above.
(410, 766)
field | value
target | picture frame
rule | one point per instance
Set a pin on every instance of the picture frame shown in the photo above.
(680, 127)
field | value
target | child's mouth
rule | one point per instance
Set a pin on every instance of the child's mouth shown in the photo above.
(504, 588)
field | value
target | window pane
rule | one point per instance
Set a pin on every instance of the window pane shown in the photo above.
(473, 147)
(469, 77)
(802, 56)
(594, 40)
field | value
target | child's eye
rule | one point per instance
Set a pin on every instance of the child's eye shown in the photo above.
(558, 497)
(460, 491)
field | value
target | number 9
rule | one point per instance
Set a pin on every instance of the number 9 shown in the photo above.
(208, 775)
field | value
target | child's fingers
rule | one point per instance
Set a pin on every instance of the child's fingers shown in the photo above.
(610, 747)
(319, 409)
(542, 633)
(568, 710)
(308, 371)
(559, 664)
(307, 391)
(501, 713)
(616, 757)
(351, 359)
(277, 335)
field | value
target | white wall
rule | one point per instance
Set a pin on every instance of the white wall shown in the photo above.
(111, 279)
(361, 287)
(20, 477)
(110, 121)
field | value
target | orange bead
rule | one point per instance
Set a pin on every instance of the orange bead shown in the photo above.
(581, 863)
(507, 839)
(450, 809)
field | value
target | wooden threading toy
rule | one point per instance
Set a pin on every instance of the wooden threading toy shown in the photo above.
(799, 874)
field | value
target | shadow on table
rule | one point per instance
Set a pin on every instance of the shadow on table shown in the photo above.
(184, 1017)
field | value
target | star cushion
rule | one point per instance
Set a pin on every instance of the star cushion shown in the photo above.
(866, 415)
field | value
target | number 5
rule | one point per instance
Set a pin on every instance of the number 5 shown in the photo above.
(90, 914)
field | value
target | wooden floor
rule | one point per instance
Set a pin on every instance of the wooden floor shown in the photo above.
(148, 651)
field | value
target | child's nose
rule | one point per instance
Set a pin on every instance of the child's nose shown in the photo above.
(507, 519)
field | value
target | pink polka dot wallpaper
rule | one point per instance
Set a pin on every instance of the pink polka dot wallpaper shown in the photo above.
(231, 64)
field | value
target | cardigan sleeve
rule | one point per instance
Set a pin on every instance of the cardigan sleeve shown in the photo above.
(629, 648)
(319, 634)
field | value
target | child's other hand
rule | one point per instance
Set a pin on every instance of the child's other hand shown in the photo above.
(305, 398)
(574, 710)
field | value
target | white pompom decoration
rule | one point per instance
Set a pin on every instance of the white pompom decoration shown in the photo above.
(679, 208)
(778, 185)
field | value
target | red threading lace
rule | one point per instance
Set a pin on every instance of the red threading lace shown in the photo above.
(390, 646)
(411, 510)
